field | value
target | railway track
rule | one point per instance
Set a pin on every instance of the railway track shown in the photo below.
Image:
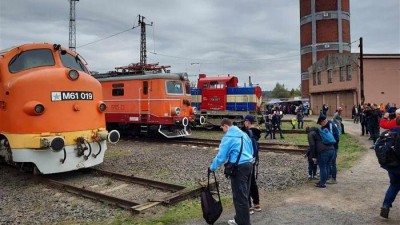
(172, 193)
(266, 147)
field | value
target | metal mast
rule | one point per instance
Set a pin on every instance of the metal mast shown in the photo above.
(143, 54)
(72, 27)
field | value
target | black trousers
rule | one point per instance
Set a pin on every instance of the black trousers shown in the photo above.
(276, 127)
(240, 184)
(254, 195)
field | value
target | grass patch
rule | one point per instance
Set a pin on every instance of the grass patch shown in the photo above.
(350, 151)
(174, 215)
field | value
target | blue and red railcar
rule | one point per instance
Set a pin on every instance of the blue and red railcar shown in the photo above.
(221, 97)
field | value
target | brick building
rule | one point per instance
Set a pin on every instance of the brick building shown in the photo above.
(335, 80)
(324, 29)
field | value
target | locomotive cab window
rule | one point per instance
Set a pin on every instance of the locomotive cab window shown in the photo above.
(174, 87)
(118, 89)
(217, 85)
(73, 62)
(145, 87)
(31, 59)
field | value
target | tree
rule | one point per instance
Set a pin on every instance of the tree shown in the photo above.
(281, 92)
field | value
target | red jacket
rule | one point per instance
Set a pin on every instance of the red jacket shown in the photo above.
(388, 124)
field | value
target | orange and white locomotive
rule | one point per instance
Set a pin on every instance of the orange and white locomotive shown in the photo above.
(147, 100)
(51, 110)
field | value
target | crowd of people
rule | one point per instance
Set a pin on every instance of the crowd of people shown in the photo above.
(240, 146)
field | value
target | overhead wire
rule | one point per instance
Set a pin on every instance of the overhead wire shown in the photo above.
(106, 37)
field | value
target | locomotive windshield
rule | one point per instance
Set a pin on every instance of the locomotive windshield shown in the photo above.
(72, 62)
(30, 59)
(174, 87)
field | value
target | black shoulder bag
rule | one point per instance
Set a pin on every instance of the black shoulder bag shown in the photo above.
(212, 209)
(232, 168)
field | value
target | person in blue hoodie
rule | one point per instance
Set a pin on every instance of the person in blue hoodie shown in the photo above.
(240, 183)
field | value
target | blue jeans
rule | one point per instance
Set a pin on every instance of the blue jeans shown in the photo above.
(332, 166)
(240, 184)
(324, 158)
(394, 187)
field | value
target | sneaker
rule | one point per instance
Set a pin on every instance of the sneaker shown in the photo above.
(232, 222)
(257, 208)
(318, 185)
(331, 181)
(251, 211)
(385, 212)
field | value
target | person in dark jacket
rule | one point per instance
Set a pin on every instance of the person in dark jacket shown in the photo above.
(268, 126)
(321, 154)
(363, 121)
(254, 133)
(393, 172)
(373, 117)
(276, 124)
(328, 124)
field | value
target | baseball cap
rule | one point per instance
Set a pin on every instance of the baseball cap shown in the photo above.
(249, 118)
(321, 118)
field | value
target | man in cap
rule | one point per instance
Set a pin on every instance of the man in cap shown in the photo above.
(332, 170)
(254, 133)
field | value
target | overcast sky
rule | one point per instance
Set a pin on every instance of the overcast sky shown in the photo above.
(257, 38)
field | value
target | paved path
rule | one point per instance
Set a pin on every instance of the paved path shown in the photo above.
(355, 199)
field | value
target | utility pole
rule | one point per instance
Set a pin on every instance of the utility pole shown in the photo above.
(361, 71)
(72, 27)
(143, 54)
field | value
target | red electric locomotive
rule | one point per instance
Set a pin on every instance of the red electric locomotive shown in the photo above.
(146, 99)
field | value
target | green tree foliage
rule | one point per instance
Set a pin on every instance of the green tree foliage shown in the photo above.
(281, 92)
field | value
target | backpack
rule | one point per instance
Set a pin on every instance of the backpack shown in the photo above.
(387, 148)
(327, 136)
(336, 128)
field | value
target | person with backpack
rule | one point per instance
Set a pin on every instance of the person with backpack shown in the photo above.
(393, 172)
(331, 127)
(236, 148)
(321, 153)
(254, 133)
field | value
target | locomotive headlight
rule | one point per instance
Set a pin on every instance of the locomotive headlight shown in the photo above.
(34, 108)
(194, 110)
(73, 74)
(176, 111)
(102, 107)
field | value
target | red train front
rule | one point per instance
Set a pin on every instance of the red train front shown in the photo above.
(221, 97)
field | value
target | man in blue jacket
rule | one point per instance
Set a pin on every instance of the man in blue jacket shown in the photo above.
(240, 183)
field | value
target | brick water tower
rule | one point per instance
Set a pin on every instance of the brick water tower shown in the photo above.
(324, 29)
